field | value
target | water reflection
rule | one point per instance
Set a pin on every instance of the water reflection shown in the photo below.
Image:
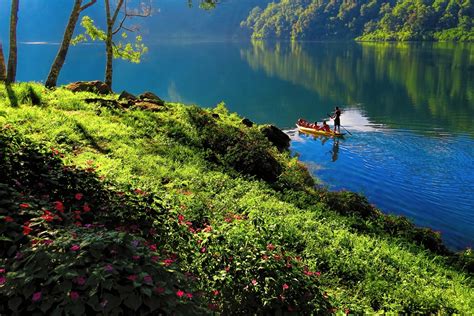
(404, 85)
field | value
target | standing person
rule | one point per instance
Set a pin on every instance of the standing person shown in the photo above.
(337, 119)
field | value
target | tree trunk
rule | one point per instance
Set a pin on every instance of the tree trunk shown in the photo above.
(12, 56)
(108, 46)
(3, 70)
(63, 49)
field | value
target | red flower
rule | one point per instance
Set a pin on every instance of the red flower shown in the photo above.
(215, 292)
(180, 218)
(179, 293)
(317, 273)
(147, 279)
(24, 205)
(2, 280)
(78, 196)
(136, 258)
(152, 247)
(270, 247)
(86, 208)
(59, 206)
(285, 286)
(132, 277)
(26, 229)
(8, 219)
(47, 242)
(203, 249)
(75, 248)
(47, 216)
(189, 295)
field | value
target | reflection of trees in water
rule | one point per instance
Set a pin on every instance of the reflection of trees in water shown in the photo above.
(429, 83)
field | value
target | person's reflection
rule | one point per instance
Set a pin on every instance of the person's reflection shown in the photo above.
(335, 149)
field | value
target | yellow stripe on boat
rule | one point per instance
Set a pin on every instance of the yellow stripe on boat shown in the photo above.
(318, 132)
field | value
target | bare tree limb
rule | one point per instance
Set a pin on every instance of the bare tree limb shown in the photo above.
(88, 5)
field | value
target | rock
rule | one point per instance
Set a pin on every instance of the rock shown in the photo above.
(89, 86)
(127, 96)
(247, 122)
(148, 106)
(151, 97)
(277, 137)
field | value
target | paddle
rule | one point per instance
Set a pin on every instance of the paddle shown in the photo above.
(330, 117)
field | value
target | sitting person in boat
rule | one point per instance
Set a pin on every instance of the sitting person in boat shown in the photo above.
(316, 126)
(325, 127)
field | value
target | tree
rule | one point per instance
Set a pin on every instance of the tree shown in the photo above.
(116, 18)
(58, 63)
(12, 55)
(3, 70)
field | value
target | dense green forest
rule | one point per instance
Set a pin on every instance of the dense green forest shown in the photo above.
(379, 20)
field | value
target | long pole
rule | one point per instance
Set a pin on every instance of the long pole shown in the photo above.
(330, 117)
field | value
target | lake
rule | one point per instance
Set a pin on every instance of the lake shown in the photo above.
(409, 108)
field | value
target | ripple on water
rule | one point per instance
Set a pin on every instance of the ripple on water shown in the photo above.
(424, 176)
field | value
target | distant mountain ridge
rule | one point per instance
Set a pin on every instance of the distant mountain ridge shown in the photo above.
(380, 20)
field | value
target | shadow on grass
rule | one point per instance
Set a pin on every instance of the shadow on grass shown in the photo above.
(91, 139)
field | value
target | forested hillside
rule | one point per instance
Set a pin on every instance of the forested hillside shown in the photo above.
(384, 20)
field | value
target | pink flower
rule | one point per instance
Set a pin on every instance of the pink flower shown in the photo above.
(215, 292)
(80, 280)
(75, 247)
(317, 273)
(74, 295)
(254, 282)
(285, 286)
(47, 242)
(132, 277)
(78, 196)
(3, 280)
(189, 295)
(136, 258)
(152, 247)
(179, 293)
(36, 296)
(159, 290)
(168, 262)
(147, 279)
(2, 270)
(109, 268)
(203, 249)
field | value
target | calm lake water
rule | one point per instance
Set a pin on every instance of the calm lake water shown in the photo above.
(409, 107)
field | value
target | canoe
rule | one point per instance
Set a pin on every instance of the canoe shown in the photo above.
(318, 132)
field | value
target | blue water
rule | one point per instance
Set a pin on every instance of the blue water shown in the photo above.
(410, 108)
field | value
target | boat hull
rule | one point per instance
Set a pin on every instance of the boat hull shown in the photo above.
(312, 131)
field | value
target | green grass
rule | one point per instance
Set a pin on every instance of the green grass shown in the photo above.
(239, 195)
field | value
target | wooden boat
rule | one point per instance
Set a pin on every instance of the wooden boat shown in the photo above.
(316, 132)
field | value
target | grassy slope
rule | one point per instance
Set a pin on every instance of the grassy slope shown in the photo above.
(366, 262)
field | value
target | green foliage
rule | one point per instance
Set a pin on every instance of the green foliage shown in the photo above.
(129, 51)
(180, 220)
(372, 20)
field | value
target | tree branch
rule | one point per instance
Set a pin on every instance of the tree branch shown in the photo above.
(88, 5)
